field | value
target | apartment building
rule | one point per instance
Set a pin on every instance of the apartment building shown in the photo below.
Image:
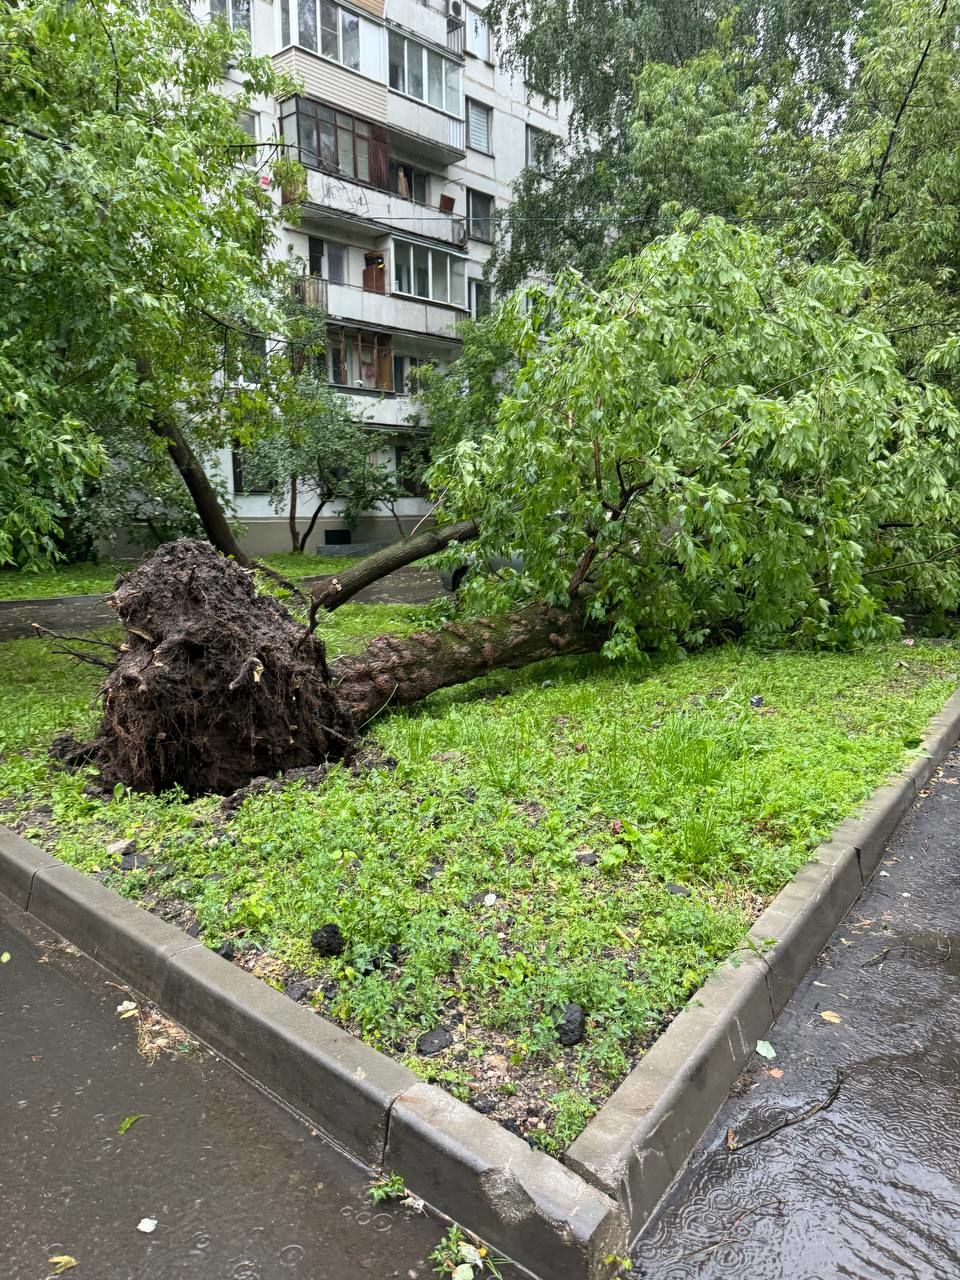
(411, 137)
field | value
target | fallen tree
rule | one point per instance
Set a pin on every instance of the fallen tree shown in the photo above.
(715, 441)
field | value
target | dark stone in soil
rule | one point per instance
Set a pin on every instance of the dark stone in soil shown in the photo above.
(589, 859)
(133, 861)
(570, 1028)
(227, 949)
(193, 930)
(432, 1042)
(299, 991)
(328, 940)
(484, 1104)
(679, 890)
(756, 701)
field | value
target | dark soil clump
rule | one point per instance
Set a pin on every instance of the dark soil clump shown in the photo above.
(214, 685)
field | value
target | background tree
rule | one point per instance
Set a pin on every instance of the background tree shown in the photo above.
(319, 454)
(585, 207)
(134, 251)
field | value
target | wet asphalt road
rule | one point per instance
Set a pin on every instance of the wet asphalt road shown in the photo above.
(240, 1188)
(870, 1187)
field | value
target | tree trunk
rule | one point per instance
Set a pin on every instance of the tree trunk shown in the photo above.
(292, 520)
(398, 670)
(330, 593)
(310, 527)
(215, 523)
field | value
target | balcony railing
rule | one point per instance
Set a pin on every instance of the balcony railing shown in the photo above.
(311, 291)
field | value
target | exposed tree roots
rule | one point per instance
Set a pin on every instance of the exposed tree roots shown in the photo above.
(214, 685)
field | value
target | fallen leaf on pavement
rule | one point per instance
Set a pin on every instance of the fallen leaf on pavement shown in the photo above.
(766, 1049)
(128, 1122)
(127, 1009)
(61, 1262)
(5, 958)
(829, 1016)
(731, 1140)
(776, 1072)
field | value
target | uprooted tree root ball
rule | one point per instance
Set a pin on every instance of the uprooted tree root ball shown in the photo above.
(214, 685)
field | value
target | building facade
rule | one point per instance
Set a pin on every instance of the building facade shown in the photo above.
(411, 137)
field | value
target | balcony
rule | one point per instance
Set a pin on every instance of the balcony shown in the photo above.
(390, 311)
(311, 291)
(434, 134)
(331, 193)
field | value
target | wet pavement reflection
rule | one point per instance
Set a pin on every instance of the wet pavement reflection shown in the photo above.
(868, 1186)
(240, 1189)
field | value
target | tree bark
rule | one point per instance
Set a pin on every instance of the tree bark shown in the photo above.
(292, 519)
(329, 593)
(215, 523)
(399, 670)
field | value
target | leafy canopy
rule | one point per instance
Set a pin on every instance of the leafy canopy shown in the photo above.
(715, 438)
(134, 244)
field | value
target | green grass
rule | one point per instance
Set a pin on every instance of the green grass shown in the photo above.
(669, 776)
(96, 579)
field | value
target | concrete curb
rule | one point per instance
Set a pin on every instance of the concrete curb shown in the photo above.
(644, 1134)
(556, 1220)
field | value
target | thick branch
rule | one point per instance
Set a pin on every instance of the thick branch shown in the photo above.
(399, 670)
(330, 593)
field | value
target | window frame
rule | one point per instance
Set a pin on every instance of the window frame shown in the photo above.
(533, 134)
(478, 285)
(402, 83)
(227, 9)
(473, 219)
(476, 22)
(453, 278)
(480, 106)
(291, 34)
(351, 342)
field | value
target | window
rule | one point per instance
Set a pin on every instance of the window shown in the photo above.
(249, 474)
(315, 256)
(478, 34)
(481, 298)
(479, 216)
(403, 368)
(360, 359)
(478, 126)
(408, 182)
(424, 74)
(235, 13)
(247, 120)
(322, 26)
(410, 465)
(540, 146)
(429, 273)
(338, 264)
(335, 142)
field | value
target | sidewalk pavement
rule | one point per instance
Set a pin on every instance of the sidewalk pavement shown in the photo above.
(239, 1188)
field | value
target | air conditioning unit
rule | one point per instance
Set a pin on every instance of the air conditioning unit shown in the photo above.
(455, 10)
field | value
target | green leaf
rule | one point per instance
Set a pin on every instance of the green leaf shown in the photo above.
(128, 1122)
(766, 1049)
